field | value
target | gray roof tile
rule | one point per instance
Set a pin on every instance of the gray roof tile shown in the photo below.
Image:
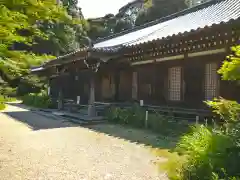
(207, 14)
(204, 15)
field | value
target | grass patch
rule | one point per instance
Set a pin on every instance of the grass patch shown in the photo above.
(2, 106)
(7, 99)
(10, 99)
(4, 99)
(172, 163)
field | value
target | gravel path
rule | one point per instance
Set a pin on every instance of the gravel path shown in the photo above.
(33, 147)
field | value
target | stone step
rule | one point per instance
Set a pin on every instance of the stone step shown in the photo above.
(85, 123)
(79, 119)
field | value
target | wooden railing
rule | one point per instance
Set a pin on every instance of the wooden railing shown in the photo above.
(177, 113)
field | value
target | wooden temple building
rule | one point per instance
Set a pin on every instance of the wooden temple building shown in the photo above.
(172, 61)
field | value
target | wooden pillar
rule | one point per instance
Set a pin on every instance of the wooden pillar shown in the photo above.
(60, 99)
(49, 87)
(49, 90)
(91, 106)
(161, 83)
(117, 85)
(134, 85)
(193, 76)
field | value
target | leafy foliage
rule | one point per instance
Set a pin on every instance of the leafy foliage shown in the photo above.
(111, 24)
(131, 116)
(228, 111)
(3, 100)
(72, 8)
(230, 69)
(135, 116)
(174, 164)
(213, 153)
(133, 14)
(28, 30)
(39, 100)
(206, 152)
(8, 91)
(64, 37)
(157, 9)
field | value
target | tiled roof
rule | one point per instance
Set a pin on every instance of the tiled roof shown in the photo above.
(198, 17)
(207, 14)
(103, 49)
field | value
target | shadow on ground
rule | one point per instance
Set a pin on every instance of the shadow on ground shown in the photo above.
(138, 136)
(36, 122)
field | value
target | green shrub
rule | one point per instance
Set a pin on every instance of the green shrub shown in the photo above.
(206, 152)
(173, 166)
(8, 91)
(7, 99)
(131, 116)
(167, 125)
(213, 153)
(135, 116)
(39, 100)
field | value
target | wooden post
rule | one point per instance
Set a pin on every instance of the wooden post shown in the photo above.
(91, 106)
(78, 100)
(214, 124)
(206, 122)
(134, 85)
(60, 100)
(117, 85)
(197, 120)
(146, 120)
(49, 90)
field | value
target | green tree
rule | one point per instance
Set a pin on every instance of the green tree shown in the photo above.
(63, 37)
(121, 25)
(159, 8)
(101, 27)
(230, 69)
(72, 8)
(20, 29)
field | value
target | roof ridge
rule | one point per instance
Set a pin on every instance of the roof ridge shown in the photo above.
(160, 20)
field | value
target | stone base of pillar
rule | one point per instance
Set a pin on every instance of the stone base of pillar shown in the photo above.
(91, 110)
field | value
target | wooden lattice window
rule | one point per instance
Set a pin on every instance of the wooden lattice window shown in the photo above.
(174, 83)
(211, 81)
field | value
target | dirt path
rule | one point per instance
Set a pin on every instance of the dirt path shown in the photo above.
(39, 148)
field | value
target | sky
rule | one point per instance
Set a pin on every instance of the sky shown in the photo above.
(99, 8)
